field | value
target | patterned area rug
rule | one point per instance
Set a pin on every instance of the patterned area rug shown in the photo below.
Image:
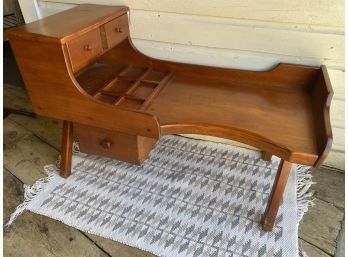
(189, 198)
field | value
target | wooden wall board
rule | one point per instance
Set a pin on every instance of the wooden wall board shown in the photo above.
(226, 57)
(314, 12)
(230, 34)
(327, 44)
(270, 37)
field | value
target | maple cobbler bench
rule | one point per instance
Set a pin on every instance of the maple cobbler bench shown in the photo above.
(80, 66)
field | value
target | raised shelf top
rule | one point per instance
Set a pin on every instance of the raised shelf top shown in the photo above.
(56, 27)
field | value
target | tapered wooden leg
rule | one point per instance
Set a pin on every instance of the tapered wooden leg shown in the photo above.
(266, 156)
(276, 195)
(66, 150)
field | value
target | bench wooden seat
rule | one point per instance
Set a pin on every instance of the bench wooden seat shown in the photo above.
(119, 102)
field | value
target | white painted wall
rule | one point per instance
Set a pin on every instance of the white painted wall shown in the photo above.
(242, 34)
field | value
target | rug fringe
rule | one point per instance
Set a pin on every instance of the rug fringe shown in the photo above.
(30, 192)
(301, 252)
(75, 150)
(304, 195)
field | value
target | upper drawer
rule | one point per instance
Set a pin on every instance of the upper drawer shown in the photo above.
(84, 49)
(116, 30)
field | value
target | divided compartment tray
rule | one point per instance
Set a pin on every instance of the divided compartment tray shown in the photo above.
(129, 87)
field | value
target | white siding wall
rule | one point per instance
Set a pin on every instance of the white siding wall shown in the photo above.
(242, 34)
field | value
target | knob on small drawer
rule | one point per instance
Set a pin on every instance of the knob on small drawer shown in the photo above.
(105, 144)
(87, 47)
(119, 30)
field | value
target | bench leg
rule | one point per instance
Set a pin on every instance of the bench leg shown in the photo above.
(66, 149)
(276, 195)
(266, 156)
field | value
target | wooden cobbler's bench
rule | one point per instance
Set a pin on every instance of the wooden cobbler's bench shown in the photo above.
(80, 66)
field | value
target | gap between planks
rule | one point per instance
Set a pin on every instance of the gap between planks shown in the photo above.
(22, 182)
(112, 248)
(316, 247)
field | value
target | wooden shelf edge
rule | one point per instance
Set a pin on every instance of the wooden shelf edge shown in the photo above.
(242, 136)
(323, 94)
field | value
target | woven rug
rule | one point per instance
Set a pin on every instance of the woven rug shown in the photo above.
(189, 198)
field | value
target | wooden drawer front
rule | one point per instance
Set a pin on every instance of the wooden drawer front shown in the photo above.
(84, 49)
(116, 30)
(111, 144)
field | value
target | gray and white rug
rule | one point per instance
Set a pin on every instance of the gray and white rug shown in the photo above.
(189, 198)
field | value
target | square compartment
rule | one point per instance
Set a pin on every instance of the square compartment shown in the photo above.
(133, 72)
(97, 75)
(144, 90)
(156, 75)
(131, 103)
(117, 88)
(106, 98)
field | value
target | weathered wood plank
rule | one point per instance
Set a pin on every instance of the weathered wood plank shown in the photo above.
(117, 249)
(35, 235)
(336, 159)
(340, 242)
(47, 129)
(321, 225)
(311, 250)
(222, 57)
(16, 98)
(25, 155)
(329, 186)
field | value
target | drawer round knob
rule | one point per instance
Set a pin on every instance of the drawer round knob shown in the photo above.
(119, 30)
(87, 47)
(105, 144)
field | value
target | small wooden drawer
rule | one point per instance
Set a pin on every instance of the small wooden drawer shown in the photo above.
(116, 30)
(84, 49)
(112, 144)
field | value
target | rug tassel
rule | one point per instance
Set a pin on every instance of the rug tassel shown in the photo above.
(304, 196)
(301, 252)
(75, 150)
(29, 194)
